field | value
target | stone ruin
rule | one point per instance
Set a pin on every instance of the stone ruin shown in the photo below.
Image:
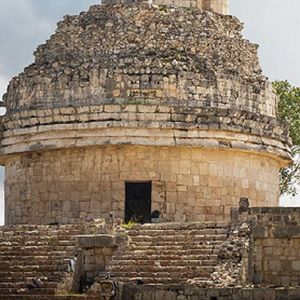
(141, 151)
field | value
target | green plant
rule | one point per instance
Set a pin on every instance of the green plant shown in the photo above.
(129, 224)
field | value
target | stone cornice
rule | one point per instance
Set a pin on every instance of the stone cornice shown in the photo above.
(39, 130)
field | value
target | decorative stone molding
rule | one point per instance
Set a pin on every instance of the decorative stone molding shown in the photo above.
(38, 130)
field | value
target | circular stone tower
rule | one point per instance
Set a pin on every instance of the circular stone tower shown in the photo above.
(135, 108)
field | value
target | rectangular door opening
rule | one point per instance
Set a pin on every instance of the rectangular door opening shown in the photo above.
(138, 201)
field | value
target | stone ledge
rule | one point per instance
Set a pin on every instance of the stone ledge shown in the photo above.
(67, 127)
(275, 222)
(166, 117)
(265, 215)
(69, 136)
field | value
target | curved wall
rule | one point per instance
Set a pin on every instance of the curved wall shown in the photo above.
(187, 183)
(182, 57)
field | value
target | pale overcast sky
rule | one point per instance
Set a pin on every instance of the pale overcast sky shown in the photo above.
(273, 24)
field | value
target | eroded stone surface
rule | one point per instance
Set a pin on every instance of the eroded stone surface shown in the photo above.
(172, 95)
(136, 54)
(188, 184)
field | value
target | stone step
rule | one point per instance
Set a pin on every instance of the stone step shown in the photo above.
(173, 240)
(47, 297)
(34, 260)
(51, 275)
(169, 253)
(36, 268)
(163, 257)
(19, 279)
(161, 277)
(163, 263)
(173, 245)
(173, 269)
(18, 254)
(142, 247)
(22, 284)
(180, 226)
(38, 237)
(11, 259)
(148, 280)
(178, 233)
(25, 291)
(29, 252)
(53, 246)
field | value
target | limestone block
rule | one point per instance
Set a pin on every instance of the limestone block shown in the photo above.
(86, 241)
(104, 241)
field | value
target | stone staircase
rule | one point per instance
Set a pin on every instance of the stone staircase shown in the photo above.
(169, 253)
(31, 252)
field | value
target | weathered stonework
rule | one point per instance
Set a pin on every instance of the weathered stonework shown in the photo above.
(135, 106)
(276, 245)
(225, 293)
(139, 92)
(66, 186)
(182, 57)
(96, 252)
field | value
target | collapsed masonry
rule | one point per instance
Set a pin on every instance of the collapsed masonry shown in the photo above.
(153, 113)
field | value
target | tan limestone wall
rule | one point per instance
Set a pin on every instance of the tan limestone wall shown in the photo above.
(274, 257)
(277, 261)
(187, 183)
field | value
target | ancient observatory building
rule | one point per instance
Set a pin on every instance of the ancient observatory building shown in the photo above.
(131, 109)
(158, 113)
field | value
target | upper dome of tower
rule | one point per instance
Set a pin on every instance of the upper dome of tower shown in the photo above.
(140, 54)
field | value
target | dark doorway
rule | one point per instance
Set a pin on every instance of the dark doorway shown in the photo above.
(138, 201)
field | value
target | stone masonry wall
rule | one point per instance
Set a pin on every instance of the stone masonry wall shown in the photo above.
(148, 125)
(193, 292)
(96, 253)
(277, 261)
(187, 183)
(184, 57)
(276, 238)
(275, 245)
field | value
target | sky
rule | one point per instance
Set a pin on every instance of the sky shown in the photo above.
(274, 25)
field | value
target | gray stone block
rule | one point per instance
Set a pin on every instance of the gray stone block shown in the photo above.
(86, 241)
(260, 231)
(104, 240)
